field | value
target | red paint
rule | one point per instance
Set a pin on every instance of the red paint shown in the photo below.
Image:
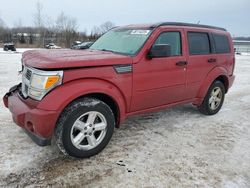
(66, 58)
(152, 85)
(23, 113)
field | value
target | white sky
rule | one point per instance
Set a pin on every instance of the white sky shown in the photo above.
(231, 14)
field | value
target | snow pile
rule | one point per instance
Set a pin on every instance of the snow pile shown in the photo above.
(177, 147)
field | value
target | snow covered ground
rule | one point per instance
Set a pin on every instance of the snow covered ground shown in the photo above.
(177, 147)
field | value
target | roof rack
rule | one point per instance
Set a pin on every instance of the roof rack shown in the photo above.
(187, 24)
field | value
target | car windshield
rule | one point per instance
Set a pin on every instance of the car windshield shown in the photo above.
(123, 41)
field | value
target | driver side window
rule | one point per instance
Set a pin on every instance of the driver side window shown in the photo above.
(172, 38)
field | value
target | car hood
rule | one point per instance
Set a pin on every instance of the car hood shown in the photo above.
(66, 58)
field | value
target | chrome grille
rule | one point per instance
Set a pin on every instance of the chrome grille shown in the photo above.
(28, 74)
(26, 78)
(26, 88)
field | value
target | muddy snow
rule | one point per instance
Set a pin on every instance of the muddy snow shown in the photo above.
(177, 147)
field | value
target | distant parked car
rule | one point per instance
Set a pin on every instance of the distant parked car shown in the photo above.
(9, 46)
(52, 46)
(75, 44)
(84, 45)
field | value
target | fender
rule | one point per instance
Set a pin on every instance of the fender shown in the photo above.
(211, 76)
(61, 96)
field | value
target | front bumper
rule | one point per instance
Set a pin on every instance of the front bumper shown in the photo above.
(39, 124)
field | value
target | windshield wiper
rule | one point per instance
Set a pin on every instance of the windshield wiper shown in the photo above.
(105, 50)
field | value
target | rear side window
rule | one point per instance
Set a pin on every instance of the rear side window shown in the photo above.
(173, 39)
(221, 43)
(199, 43)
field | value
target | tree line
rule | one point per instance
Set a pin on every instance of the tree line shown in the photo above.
(63, 30)
(242, 38)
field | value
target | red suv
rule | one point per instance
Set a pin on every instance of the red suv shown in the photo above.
(80, 96)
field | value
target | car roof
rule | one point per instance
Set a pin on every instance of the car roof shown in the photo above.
(182, 24)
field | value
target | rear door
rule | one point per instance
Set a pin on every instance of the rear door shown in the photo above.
(201, 60)
(224, 52)
(160, 81)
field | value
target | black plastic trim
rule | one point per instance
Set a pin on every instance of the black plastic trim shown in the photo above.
(37, 139)
(121, 69)
(187, 25)
(212, 43)
(12, 90)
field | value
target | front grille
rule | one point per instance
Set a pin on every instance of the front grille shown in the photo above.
(28, 74)
(26, 88)
(26, 78)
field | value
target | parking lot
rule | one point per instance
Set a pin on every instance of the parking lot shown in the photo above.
(177, 147)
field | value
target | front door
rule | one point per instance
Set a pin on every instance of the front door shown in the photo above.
(160, 81)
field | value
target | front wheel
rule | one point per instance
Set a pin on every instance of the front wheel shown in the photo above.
(84, 128)
(214, 99)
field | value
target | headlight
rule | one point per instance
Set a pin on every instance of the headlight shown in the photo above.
(41, 82)
(44, 82)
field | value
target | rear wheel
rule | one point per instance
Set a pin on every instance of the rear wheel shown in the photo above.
(214, 99)
(85, 128)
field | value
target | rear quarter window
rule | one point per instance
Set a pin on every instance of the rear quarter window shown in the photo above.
(199, 43)
(221, 43)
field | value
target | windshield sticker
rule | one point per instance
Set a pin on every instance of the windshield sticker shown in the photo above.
(139, 32)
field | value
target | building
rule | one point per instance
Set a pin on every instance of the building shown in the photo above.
(241, 46)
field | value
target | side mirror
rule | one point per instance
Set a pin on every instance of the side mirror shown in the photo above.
(159, 50)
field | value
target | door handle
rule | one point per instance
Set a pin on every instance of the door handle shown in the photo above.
(211, 60)
(181, 63)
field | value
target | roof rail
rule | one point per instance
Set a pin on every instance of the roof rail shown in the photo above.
(187, 24)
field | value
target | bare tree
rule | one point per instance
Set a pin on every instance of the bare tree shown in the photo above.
(2, 24)
(49, 22)
(2, 30)
(18, 23)
(67, 26)
(38, 17)
(106, 26)
(62, 30)
(39, 22)
(96, 31)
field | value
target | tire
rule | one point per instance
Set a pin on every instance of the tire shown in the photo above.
(84, 128)
(211, 103)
